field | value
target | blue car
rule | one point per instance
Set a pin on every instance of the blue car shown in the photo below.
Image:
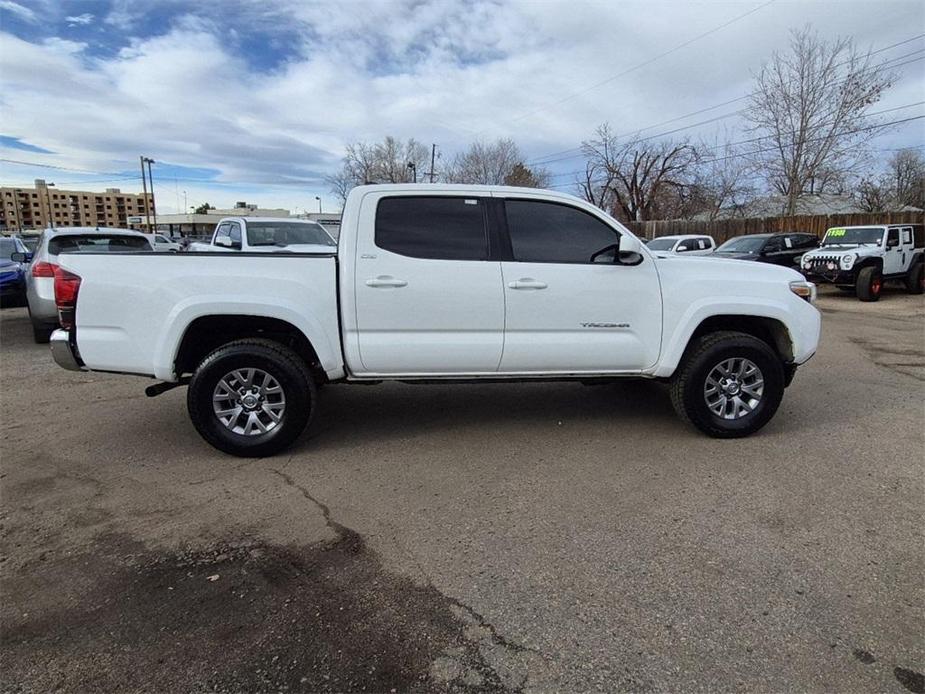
(12, 274)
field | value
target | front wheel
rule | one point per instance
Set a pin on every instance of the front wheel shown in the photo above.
(251, 398)
(728, 385)
(869, 283)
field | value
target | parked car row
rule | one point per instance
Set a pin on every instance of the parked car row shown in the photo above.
(856, 259)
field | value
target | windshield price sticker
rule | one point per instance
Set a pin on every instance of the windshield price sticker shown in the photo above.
(835, 232)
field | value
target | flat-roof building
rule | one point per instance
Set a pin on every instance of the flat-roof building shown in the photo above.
(45, 205)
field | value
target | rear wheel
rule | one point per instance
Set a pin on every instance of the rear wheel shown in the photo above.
(869, 283)
(915, 279)
(728, 385)
(251, 398)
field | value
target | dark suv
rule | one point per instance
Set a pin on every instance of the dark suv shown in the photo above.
(778, 249)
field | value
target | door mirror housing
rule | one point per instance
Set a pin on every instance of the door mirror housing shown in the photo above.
(629, 250)
(892, 243)
(679, 249)
(21, 257)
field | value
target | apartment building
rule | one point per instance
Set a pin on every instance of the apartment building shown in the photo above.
(45, 205)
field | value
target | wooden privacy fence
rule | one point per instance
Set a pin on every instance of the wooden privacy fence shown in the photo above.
(724, 229)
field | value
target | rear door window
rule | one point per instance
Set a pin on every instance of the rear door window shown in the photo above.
(439, 228)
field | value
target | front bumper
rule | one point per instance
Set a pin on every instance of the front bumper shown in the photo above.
(64, 352)
(828, 271)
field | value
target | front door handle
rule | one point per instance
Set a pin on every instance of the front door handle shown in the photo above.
(385, 281)
(527, 283)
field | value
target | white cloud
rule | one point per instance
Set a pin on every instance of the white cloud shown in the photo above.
(20, 11)
(80, 19)
(441, 72)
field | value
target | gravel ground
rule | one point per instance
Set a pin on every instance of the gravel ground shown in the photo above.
(524, 537)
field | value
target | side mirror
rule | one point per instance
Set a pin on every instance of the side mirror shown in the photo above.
(21, 257)
(223, 241)
(629, 250)
(681, 248)
(235, 245)
(892, 243)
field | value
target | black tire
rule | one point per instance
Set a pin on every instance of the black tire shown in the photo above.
(869, 283)
(915, 279)
(706, 352)
(280, 362)
(41, 334)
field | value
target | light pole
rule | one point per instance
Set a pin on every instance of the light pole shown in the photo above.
(318, 198)
(51, 218)
(414, 170)
(148, 161)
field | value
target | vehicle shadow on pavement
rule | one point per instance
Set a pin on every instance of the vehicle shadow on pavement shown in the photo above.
(352, 415)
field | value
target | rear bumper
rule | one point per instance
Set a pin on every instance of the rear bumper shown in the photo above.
(64, 352)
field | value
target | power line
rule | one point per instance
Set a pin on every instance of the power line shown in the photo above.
(792, 133)
(772, 149)
(886, 64)
(644, 63)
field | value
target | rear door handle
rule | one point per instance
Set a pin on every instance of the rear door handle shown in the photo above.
(385, 281)
(527, 283)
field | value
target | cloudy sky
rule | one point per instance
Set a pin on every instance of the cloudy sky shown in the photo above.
(255, 100)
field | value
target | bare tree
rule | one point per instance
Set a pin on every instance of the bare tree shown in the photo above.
(596, 184)
(497, 163)
(723, 180)
(389, 161)
(902, 184)
(907, 173)
(810, 107)
(639, 173)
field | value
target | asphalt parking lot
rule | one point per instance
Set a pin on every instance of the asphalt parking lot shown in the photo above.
(528, 537)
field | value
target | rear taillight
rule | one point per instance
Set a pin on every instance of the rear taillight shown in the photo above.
(44, 269)
(67, 285)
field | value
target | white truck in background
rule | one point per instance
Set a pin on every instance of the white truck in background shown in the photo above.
(438, 283)
(267, 235)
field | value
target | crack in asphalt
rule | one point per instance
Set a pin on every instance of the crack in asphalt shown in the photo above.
(479, 620)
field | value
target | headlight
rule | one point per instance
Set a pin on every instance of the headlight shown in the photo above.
(807, 263)
(847, 260)
(804, 290)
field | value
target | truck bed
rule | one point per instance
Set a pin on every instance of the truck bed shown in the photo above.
(133, 309)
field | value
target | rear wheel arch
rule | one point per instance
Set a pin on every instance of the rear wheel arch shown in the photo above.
(205, 334)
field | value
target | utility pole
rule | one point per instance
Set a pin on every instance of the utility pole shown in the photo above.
(318, 198)
(144, 187)
(153, 205)
(433, 155)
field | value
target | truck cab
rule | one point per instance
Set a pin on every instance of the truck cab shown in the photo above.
(268, 235)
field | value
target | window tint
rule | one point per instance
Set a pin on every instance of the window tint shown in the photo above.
(75, 243)
(234, 233)
(544, 232)
(686, 246)
(773, 245)
(432, 227)
(893, 235)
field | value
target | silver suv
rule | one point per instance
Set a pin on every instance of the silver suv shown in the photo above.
(40, 275)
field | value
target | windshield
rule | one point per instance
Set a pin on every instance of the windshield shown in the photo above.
(743, 244)
(287, 234)
(99, 243)
(852, 237)
(661, 244)
(7, 248)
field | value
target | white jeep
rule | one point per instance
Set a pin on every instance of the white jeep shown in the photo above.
(860, 259)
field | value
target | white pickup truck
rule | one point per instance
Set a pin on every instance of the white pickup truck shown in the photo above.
(267, 235)
(438, 283)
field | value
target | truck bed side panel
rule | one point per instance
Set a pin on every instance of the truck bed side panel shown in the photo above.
(133, 310)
